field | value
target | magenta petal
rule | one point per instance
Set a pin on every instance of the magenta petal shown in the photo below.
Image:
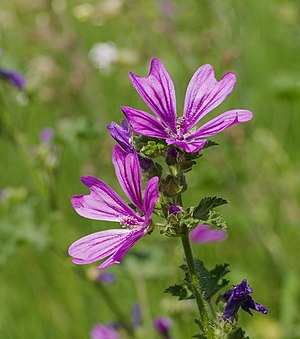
(203, 234)
(129, 174)
(144, 123)
(204, 93)
(151, 196)
(103, 203)
(97, 246)
(221, 122)
(157, 90)
(190, 146)
(121, 134)
(104, 332)
(116, 258)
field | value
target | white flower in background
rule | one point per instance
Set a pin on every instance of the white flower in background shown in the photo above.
(103, 55)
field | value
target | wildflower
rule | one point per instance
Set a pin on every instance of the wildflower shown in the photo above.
(104, 332)
(239, 296)
(203, 234)
(46, 135)
(13, 77)
(107, 278)
(163, 325)
(122, 135)
(103, 203)
(204, 93)
(136, 317)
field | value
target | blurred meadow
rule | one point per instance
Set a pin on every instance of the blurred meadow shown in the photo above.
(75, 57)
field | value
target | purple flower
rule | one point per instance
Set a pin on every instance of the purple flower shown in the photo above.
(13, 77)
(122, 135)
(173, 209)
(46, 135)
(204, 93)
(3, 194)
(136, 317)
(104, 332)
(163, 325)
(107, 277)
(103, 203)
(239, 296)
(203, 234)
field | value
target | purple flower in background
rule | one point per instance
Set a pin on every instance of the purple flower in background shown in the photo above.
(203, 234)
(163, 325)
(239, 296)
(122, 135)
(3, 194)
(104, 332)
(136, 317)
(13, 77)
(107, 277)
(204, 93)
(46, 135)
(103, 203)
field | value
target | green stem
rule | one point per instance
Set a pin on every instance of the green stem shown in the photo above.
(201, 303)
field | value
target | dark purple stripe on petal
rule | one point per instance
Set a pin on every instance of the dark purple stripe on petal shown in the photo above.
(157, 90)
(97, 246)
(103, 203)
(204, 93)
(151, 196)
(116, 258)
(129, 174)
(144, 123)
(221, 122)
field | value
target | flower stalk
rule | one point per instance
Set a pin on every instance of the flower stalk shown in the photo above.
(197, 290)
(198, 293)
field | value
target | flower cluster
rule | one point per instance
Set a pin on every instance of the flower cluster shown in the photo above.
(203, 94)
(141, 138)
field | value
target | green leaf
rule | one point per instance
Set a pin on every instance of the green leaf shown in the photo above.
(206, 205)
(211, 281)
(216, 219)
(238, 334)
(210, 143)
(180, 291)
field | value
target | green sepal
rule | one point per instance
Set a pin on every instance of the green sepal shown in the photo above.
(206, 205)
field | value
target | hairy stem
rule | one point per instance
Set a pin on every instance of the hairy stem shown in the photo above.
(198, 293)
(201, 303)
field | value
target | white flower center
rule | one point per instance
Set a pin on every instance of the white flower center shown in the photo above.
(129, 221)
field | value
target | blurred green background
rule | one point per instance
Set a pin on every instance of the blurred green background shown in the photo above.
(76, 56)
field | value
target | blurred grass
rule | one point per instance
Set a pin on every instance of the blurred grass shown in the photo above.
(256, 167)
